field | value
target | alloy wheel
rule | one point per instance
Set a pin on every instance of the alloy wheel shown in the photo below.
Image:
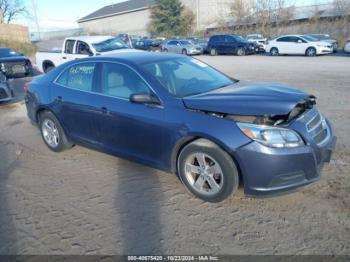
(50, 133)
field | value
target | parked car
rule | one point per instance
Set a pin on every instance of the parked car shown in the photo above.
(14, 64)
(77, 48)
(184, 47)
(6, 90)
(180, 115)
(347, 46)
(148, 45)
(298, 45)
(259, 40)
(230, 44)
(328, 39)
(202, 42)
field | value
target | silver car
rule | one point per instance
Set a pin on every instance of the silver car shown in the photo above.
(6, 91)
(184, 47)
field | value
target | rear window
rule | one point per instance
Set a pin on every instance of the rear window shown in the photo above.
(78, 77)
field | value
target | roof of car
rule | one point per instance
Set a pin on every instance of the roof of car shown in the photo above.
(91, 39)
(138, 57)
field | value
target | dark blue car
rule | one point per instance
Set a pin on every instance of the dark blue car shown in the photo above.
(231, 44)
(180, 115)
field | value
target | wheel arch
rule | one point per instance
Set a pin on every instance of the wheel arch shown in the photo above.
(182, 143)
(47, 63)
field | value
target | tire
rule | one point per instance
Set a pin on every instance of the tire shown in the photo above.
(61, 141)
(274, 51)
(311, 51)
(217, 176)
(240, 51)
(184, 51)
(213, 52)
(48, 68)
(166, 50)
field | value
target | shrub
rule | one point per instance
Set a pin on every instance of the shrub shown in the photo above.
(26, 48)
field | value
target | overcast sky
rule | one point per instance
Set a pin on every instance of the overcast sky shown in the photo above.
(63, 14)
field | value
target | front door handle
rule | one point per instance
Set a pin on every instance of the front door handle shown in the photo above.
(64, 57)
(59, 99)
(104, 110)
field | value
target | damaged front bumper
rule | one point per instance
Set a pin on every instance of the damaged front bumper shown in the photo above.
(268, 171)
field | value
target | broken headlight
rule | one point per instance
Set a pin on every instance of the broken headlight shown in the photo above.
(272, 136)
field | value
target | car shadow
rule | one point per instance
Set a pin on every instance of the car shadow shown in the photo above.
(8, 236)
(137, 202)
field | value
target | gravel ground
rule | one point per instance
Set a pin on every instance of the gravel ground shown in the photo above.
(86, 202)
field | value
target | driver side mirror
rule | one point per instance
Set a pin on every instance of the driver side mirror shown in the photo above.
(299, 41)
(147, 99)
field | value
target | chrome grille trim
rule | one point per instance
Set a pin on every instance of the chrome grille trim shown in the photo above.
(318, 129)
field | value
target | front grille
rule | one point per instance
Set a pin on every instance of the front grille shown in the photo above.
(318, 129)
(3, 94)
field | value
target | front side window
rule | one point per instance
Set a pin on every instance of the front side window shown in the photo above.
(78, 77)
(83, 48)
(284, 39)
(121, 81)
(183, 77)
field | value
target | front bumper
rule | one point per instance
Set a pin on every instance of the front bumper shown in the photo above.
(324, 50)
(6, 93)
(268, 171)
(195, 52)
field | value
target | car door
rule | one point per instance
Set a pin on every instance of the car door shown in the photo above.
(82, 50)
(283, 44)
(75, 102)
(130, 129)
(300, 45)
(230, 45)
(221, 44)
(68, 52)
(172, 46)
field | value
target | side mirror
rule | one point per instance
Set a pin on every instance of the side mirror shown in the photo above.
(299, 41)
(144, 99)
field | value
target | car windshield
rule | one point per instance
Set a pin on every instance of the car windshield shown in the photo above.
(187, 76)
(239, 38)
(110, 45)
(185, 42)
(310, 38)
(321, 37)
(8, 53)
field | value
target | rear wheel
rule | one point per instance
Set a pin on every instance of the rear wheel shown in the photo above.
(184, 51)
(311, 51)
(213, 52)
(165, 50)
(274, 51)
(52, 132)
(207, 171)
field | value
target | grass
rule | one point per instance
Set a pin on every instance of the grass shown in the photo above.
(26, 48)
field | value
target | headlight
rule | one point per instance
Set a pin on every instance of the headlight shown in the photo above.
(2, 67)
(272, 136)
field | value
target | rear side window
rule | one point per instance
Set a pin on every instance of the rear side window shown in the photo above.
(68, 49)
(120, 81)
(78, 77)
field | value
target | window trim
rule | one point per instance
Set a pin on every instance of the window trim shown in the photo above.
(98, 67)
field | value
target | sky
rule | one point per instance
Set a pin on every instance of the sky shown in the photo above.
(63, 14)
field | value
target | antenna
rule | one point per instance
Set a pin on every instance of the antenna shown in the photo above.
(35, 7)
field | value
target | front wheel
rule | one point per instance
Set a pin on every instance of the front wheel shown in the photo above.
(52, 132)
(311, 51)
(207, 171)
(184, 51)
(274, 51)
(213, 52)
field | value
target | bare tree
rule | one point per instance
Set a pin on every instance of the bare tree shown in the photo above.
(10, 9)
(241, 10)
(343, 8)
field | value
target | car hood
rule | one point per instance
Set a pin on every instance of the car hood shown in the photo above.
(248, 98)
(13, 59)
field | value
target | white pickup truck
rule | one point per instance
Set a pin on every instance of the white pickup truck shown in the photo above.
(77, 48)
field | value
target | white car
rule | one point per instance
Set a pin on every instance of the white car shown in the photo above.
(79, 47)
(298, 45)
(347, 46)
(259, 40)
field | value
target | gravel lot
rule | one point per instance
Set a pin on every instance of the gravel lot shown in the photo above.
(86, 202)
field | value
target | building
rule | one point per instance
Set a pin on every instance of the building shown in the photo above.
(133, 16)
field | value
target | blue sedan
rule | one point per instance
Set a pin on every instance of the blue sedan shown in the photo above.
(180, 115)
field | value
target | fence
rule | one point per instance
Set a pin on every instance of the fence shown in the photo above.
(17, 33)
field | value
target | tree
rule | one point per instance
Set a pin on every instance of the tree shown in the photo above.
(241, 10)
(343, 8)
(169, 18)
(10, 9)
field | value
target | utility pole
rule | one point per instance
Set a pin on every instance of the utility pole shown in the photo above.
(198, 15)
(36, 17)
